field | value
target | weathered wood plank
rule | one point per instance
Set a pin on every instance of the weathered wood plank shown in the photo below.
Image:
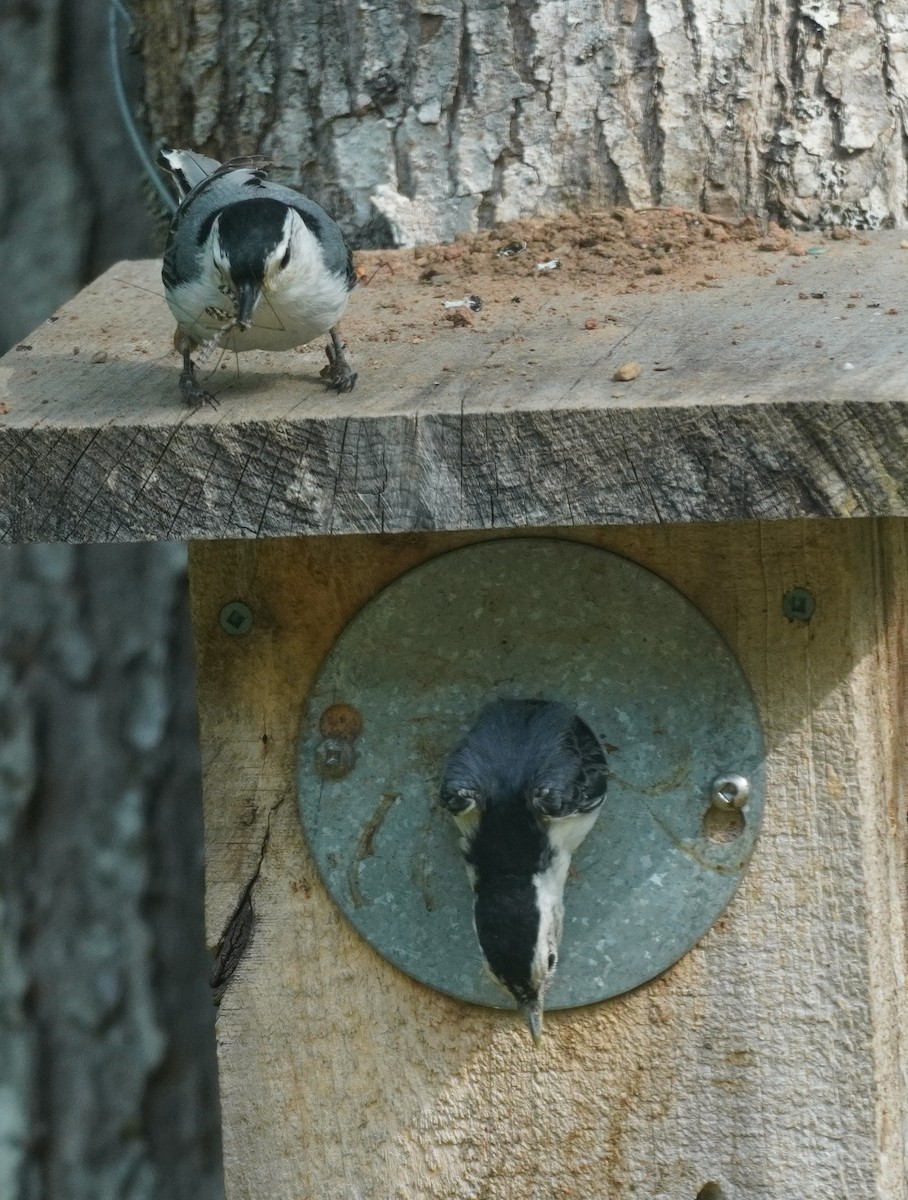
(771, 1059)
(774, 407)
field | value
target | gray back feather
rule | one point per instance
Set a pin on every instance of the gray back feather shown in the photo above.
(517, 746)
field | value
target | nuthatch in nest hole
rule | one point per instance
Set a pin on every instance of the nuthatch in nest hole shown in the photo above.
(525, 787)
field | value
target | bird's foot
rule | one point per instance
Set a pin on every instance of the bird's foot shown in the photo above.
(193, 392)
(337, 374)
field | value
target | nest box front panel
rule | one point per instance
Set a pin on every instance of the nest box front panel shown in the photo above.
(544, 619)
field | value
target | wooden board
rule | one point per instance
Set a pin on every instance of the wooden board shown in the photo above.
(774, 406)
(772, 1059)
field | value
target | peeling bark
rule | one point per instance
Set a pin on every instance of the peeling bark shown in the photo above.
(413, 124)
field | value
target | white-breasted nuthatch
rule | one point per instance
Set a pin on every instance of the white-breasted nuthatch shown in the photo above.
(524, 787)
(252, 265)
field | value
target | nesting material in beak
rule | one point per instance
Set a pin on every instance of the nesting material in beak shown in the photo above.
(248, 296)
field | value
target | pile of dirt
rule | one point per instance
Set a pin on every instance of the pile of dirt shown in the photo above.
(615, 251)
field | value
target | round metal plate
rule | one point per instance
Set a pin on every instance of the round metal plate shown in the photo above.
(548, 619)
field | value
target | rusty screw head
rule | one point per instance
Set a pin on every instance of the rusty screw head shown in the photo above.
(341, 721)
(335, 755)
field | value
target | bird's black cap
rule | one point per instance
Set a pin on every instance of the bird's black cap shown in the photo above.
(248, 232)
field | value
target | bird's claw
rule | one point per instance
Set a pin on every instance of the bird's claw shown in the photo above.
(342, 383)
(193, 393)
(337, 374)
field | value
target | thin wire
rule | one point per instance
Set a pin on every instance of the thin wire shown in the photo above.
(115, 9)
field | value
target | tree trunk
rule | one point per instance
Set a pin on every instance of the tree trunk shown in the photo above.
(412, 123)
(107, 1081)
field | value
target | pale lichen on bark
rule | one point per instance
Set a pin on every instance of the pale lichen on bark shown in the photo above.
(414, 124)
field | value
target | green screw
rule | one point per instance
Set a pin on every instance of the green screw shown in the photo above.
(798, 604)
(236, 618)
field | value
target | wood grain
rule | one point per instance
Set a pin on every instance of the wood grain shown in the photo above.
(771, 1059)
(774, 407)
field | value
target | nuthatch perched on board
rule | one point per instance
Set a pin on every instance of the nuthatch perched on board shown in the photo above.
(524, 787)
(251, 265)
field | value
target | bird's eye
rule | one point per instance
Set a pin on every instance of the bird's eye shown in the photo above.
(285, 261)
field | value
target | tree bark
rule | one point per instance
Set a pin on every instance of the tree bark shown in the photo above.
(107, 1080)
(412, 123)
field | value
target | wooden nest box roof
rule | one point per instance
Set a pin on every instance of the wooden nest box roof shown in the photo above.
(772, 383)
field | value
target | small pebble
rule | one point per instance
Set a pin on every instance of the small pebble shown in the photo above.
(99, 356)
(903, 245)
(591, 323)
(626, 372)
(511, 249)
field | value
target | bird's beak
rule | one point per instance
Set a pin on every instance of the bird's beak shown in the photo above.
(247, 299)
(533, 1014)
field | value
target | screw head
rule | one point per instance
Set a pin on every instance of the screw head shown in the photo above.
(334, 757)
(341, 721)
(236, 618)
(729, 792)
(798, 604)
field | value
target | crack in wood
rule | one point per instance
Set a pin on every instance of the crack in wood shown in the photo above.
(237, 935)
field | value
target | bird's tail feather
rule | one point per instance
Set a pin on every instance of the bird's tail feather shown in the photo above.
(188, 168)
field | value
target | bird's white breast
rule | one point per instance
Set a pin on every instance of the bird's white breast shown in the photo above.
(300, 303)
(566, 833)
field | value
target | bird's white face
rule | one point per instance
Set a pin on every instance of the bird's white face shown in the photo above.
(282, 258)
(275, 287)
(550, 897)
(275, 262)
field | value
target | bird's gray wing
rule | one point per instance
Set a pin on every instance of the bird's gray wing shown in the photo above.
(338, 256)
(583, 775)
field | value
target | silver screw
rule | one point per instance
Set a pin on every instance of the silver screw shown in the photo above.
(236, 618)
(334, 757)
(798, 604)
(729, 792)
